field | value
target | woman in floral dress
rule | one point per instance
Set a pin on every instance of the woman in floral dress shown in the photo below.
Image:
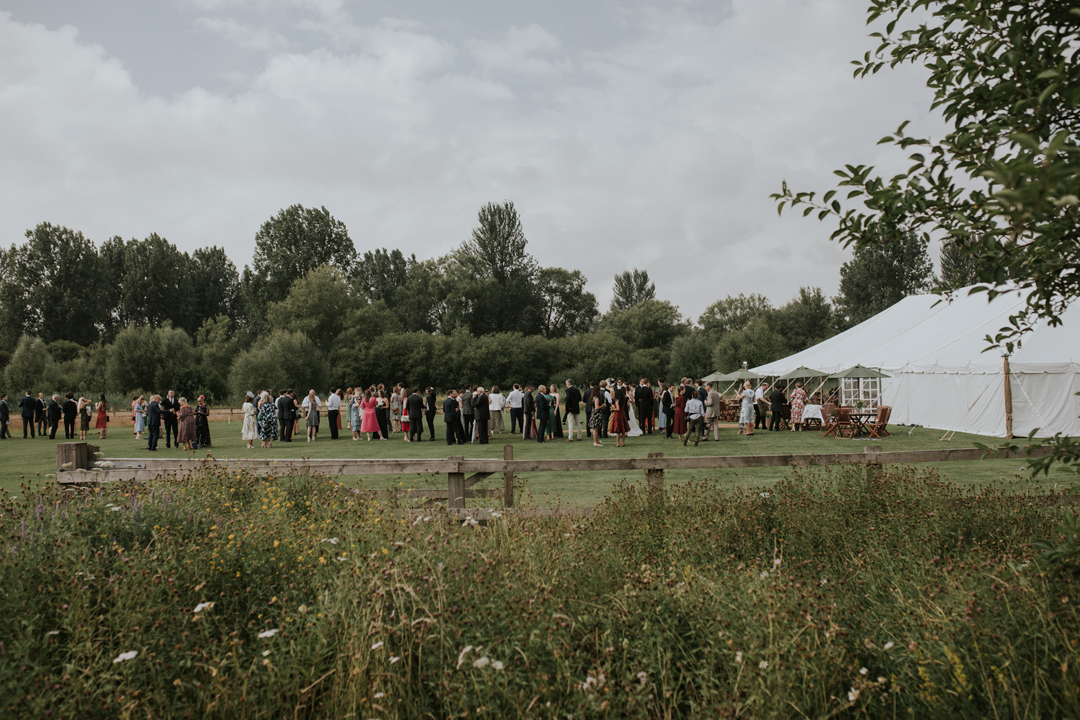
(268, 430)
(798, 402)
(185, 419)
(596, 417)
(746, 412)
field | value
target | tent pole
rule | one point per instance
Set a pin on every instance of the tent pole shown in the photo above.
(1008, 401)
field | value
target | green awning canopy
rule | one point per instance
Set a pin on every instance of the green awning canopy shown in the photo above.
(858, 372)
(802, 372)
(715, 377)
(740, 375)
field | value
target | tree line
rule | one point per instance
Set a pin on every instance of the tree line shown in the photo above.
(311, 311)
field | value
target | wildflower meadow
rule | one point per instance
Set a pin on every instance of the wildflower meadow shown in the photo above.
(832, 593)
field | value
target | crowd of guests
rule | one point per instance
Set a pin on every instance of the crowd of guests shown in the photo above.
(41, 416)
(611, 409)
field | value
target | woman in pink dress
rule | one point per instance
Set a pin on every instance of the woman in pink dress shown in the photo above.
(798, 401)
(368, 422)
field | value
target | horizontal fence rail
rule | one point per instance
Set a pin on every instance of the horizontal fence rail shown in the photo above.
(78, 464)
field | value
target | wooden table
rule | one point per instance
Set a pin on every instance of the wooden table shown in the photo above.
(860, 420)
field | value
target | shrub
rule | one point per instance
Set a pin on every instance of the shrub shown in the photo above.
(224, 595)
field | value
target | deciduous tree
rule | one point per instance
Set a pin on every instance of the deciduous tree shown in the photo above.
(631, 288)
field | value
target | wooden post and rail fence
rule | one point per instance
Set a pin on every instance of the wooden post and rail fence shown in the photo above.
(77, 463)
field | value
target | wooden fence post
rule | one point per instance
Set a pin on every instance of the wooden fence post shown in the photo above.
(456, 495)
(508, 478)
(76, 455)
(655, 476)
(873, 467)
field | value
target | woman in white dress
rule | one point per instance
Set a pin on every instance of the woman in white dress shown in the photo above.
(249, 431)
(635, 429)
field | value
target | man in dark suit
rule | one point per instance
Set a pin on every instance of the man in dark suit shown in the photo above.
(528, 409)
(776, 400)
(280, 413)
(482, 414)
(414, 408)
(643, 396)
(153, 423)
(455, 433)
(39, 414)
(431, 409)
(169, 406)
(543, 412)
(288, 416)
(572, 403)
(53, 415)
(71, 411)
(467, 414)
(27, 408)
(5, 417)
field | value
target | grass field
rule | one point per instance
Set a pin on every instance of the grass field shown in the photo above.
(33, 460)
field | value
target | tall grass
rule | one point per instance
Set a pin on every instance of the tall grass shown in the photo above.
(832, 593)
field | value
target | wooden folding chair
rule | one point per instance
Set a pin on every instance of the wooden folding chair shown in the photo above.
(785, 416)
(828, 414)
(877, 427)
(843, 426)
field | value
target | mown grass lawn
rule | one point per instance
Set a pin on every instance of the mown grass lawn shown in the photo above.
(34, 460)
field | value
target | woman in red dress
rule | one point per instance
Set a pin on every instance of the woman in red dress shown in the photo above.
(620, 424)
(102, 423)
(680, 412)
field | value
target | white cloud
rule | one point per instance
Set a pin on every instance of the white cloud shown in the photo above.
(658, 152)
(518, 52)
(245, 36)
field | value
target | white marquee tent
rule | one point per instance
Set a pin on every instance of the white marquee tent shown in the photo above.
(932, 349)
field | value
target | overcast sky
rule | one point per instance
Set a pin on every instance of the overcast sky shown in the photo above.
(628, 134)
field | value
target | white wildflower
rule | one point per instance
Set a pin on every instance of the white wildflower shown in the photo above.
(881, 679)
(763, 664)
(764, 574)
(764, 494)
(643, 677)
(129, 655)
(302, 609)
(394, 659)
(498, 665)
(776, 562)
(341, 558)
(461, 655)
(265, 653)
(269, 633)
(379, 695)
(863, 671)
(203, 606)
(470, 521)
(481, 662)
(377, 645)
(889, 645)
(738, 657)
(824, 582)
(852, 695)
(105, 464)
(117, 509)
(332, 541)
(52, 632)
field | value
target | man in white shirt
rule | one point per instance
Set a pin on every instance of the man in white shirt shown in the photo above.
(496, 402)
(515, 402)
(695, 413)
(333, 412)
(759, 400)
